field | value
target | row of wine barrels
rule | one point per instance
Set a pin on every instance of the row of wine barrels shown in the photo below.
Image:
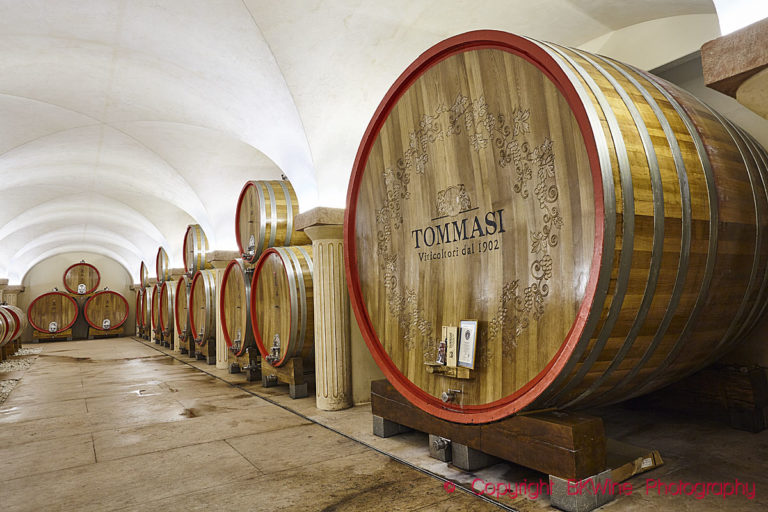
(167, 301)
(235, 306)
(202, 306)
(12, 323)
(181, 306)
(52, 312)
(162, 265)
(605, 229)
(282, 304)
(106, 310)
(81, 278)
(195, 249)
(265, 218)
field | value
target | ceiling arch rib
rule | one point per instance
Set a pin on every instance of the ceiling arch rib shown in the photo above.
(17, 275)
(66, 235)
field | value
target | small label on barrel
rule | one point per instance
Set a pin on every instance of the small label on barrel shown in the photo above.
(81, 289)
(53, 327)
(647, 462)
(105, 324)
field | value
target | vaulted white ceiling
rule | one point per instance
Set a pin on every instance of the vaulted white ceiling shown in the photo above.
(122, 121)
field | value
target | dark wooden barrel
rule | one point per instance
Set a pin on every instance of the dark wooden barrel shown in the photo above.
(106, 310)
(181, 307)
(265, 218)
(162, 266)
(19, 321)
(154, 309)
(143, 275)
(195, 249)
(235, 306)
(202, 306)
(52, 307)
(282, 307)
(167, 301)
(604, 228)
(81, 274)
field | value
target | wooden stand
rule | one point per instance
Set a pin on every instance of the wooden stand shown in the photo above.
(291, 373)
(737, 395)
(168, 339)
(206, 351)
(51, 336)
(249, 363)
(100, 333)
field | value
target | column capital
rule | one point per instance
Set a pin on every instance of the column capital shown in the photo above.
(14, 289)
(322, 223)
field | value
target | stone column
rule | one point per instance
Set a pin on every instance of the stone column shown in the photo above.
(333, 372)
(11, 295)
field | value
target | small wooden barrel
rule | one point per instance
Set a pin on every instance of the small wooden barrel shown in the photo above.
(202, 306)
(143, 275)
(167, 300)
(181, 307)
(106, 310)
(195, 249)
(282, 307)
(235, 306)
(265, 218)
(155, 308)
(19, 318)
(607, 231)
(162, 266)
(52, 307)
(81, 278)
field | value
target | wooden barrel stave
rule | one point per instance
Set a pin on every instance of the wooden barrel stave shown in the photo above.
(181, 306)
(282, 303)
(143, 275)
(154, 309)
(81, 273)
(202, 306)
(679, 193)
(265, 214)
(106, 305)
(52, 307)
(235, 306)
(7, 327)
(19, 319)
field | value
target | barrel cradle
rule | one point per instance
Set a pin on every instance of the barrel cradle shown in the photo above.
(106, 310)
(282, 305)
(235, 307)
(81, 278)
(52, 313)
(265, 218)
(202, 314)
(606, 229)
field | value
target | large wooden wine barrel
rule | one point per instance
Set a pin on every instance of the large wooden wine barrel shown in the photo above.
(154, 309)
(235, 306)
(139, 306)
(195, 249)
(282, 307)
(265, 218)
(181, 307)
(167, 301)
(162, 265)
(19, 320)
(8, 326)
(81, 278)
(106, 310)
(143, 275)
(202, 306)
(52, 307)
(605, 228)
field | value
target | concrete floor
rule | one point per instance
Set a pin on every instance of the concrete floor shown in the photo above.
(124, 424)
